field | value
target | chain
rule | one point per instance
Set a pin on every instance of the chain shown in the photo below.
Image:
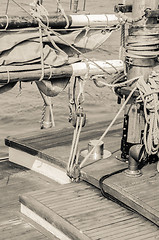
(125, 19)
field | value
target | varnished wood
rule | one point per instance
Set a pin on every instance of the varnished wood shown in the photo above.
(42, 143)
(92, 215)
(134, 192)
(15, 22)
(15, 180)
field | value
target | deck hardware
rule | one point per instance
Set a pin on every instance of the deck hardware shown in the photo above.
(73, 169)
(74, 173)
(135, 155)
(152, 13)
(76, 115)
(98, 153)
(124, 8)
(125, 146)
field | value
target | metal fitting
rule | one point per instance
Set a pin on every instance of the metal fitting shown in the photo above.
(78, 115)
(98, 151)
(135, 153)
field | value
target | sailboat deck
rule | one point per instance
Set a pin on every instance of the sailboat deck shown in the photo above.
(141, 193)
(82, 213)
(15, 180)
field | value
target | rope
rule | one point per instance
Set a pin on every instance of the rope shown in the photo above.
(6, 12)
(149, 96)
(130, 81)
(43, 115)
(79, 52)
(7, 23)
(74, 154)
(37, 10)
(52, 115)
(75, 103)
(79, 122)
(61, 9)
(6, 15)
(122, 42)
(41, 54)
(82, 82)
(8, 74)
(47, 103)
(51, 72)
(71, 96)
(84, 5)
(145, 47)
(108, 128)
(57, 35)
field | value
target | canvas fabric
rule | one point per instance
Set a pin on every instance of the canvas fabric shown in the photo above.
(23, 47)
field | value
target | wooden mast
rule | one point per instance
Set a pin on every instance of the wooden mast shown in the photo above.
(138, 65)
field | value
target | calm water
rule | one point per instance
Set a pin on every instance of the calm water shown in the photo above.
(20, 111)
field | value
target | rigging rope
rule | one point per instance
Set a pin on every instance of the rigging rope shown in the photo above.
(148, 92)
(108, 128)
(7, 6)
(61, 10)
(41, 54)
(122, 42)
(120, 84)
(48, 30)
(78, 118)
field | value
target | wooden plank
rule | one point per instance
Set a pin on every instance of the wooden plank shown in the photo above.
(97, 218)
(39, 165)
(52, 138)
(12, 225)
(120, 186)
(52, 154)
(126, 197)
(52, 218)
(42, 222)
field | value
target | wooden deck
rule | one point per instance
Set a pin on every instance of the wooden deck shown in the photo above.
(13, 182)
(82, 213)
(53, 146)
(49, 144)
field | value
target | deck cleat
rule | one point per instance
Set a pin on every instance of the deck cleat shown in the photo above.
(99, 151)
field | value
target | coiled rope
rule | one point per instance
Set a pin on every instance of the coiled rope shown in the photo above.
(149, 96)
(145, 46)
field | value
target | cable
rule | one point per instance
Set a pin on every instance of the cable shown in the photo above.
(110, 197)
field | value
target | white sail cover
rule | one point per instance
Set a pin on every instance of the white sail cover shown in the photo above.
(23, 47)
